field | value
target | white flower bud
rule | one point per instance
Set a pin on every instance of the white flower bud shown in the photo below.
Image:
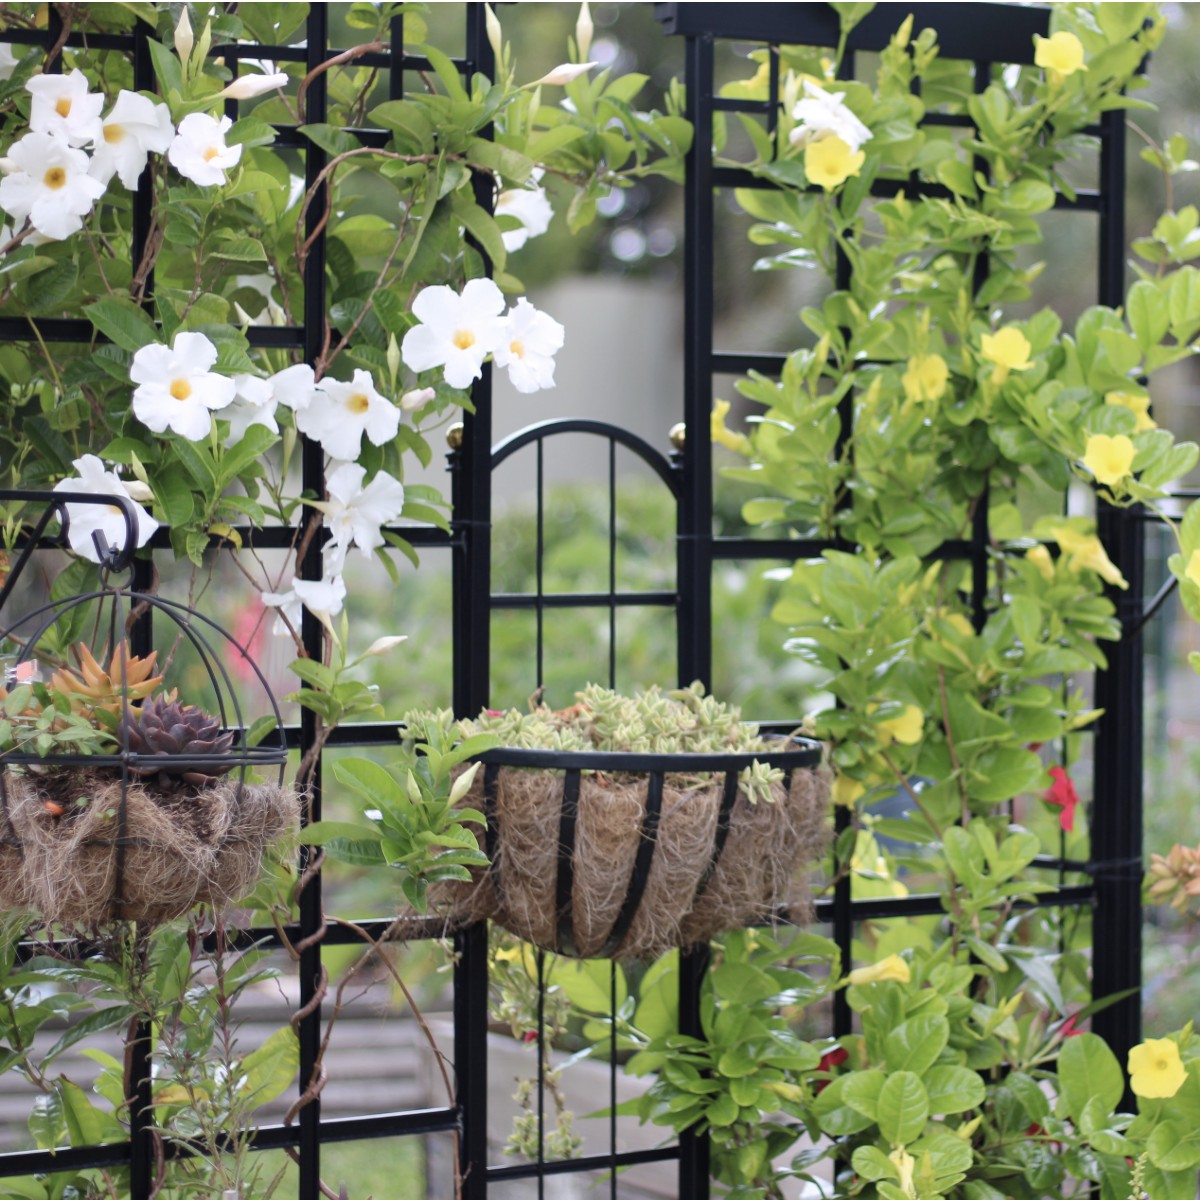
(495, 35)
(248, 86)
(565, 73)
(584, 30)
(184, 38)
(382, 645)
(135, 489)
(416, 398)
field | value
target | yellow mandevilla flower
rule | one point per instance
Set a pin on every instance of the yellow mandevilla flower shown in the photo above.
(1109, 458)
(1085, 551)
(1192, 571)
(926, 378)
(1061, 54)
(1137, 404)
(846, 790)
(1008, 349)
(737, 442)
(829, 162)
(891, 968)
(906, 728)
(1156, 1072)
(1040, 557)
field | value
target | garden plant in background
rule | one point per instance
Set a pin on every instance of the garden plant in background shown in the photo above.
(214, 437)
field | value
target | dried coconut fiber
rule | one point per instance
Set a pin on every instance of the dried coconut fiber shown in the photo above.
(758, 872)
(196, 845)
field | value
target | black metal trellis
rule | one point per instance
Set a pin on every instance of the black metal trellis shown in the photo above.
(1004, 33)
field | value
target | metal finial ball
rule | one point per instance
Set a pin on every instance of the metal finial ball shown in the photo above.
(454, 436)
(678, 435)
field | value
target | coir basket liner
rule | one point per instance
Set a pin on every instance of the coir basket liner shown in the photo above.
(150, 857)
(627, 855)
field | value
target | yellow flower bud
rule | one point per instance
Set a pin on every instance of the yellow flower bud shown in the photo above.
(891, 968)
(1085, 551)
(737, 442)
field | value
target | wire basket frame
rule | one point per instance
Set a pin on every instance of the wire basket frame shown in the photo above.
(794, 820)
(118, 607)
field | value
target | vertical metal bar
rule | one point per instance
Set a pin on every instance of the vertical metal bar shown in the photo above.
(612, 563)
(612, 1081)
(395, 71)
(539, 565)
(541, 1071)
(142, 1148)
(843, 903)
(1118, 765)
(693, 570)
(472, 581)
(312, 567)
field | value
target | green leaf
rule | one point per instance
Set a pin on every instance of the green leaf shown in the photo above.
(122, 322)
(511, 164)
(482, 227)
(1174, 1147)
(587, 983)
(916, 1044)
(320, 833)
(85, 1123)
(174, 497)
(903, 1108)
(270, 1070)
(1087, 1068)
(953, 1090)
(367, 779)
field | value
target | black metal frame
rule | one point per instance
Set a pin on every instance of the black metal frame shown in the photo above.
(1006, 35)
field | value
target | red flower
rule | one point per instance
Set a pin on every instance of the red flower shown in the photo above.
(829, 1060)
(530, 1035)
(1068, 1027)
(1062, 792)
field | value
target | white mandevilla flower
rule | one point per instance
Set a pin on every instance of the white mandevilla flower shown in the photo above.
(355, 514)
(178, 389)
(199, 152)
(135, 127)
(254, 404)
(822, 113)
(456, 332)
(322, 597)
(63, 105)
(531, 340)
(531, 207)
(50, 185)
(338, 414)
(294, 387)
(247, 87)
(108, 519)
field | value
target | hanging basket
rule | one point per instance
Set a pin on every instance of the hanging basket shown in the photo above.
(617, 855)
(141, 833)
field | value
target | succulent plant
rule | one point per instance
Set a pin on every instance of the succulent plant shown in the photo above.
(128, 678)
(165, 729)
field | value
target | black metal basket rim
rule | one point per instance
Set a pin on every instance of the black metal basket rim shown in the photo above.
(807, 755)
(252, 756)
